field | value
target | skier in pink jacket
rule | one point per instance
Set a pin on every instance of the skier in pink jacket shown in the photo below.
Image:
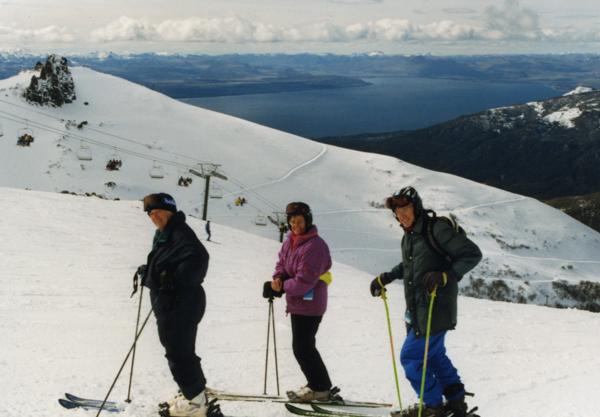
(302, 272)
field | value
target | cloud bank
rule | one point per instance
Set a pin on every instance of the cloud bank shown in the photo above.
(49, 34)
(507, 23)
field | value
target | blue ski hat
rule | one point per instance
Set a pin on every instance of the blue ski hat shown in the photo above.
(160, 201)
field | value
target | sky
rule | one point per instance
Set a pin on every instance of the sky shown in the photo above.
(441, 27)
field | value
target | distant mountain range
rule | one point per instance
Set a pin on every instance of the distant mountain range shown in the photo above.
(189, 76)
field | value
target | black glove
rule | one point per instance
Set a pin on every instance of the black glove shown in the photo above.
(376, 287)
(433, 279)
(166, 280)
(269, 292)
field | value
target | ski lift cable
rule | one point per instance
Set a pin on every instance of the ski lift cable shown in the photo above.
(133, 153)
(83, 138)
(166, 162)
(99, 131)
(80, 137)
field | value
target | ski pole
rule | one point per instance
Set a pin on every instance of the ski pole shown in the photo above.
(129, 353)
(268, 337)
(137, 324)
(433, 294)
(275, 347)
(271, 320)
(387, 312)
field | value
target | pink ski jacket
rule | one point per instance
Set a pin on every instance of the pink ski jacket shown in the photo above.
(302, 260)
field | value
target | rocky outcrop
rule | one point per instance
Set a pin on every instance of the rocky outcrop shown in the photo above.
(54, 86)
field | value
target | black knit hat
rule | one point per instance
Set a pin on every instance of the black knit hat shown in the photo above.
(160, 201)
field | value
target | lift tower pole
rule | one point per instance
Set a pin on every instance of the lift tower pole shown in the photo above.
(207, 171)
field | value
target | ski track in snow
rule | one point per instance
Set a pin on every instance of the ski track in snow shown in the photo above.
(290, 172)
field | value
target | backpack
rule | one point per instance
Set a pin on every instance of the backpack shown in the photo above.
(429, 219)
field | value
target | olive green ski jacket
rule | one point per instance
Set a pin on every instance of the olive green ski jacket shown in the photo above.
(418, 259)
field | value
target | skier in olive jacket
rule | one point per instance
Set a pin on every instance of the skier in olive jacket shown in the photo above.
(423, 269)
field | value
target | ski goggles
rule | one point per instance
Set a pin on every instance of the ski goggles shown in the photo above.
(397, 201)
(297, 209)
(158, 202)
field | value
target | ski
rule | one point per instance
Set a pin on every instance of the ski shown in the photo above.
(87, 401)
(304, 412)
(72, 406)
(470, 413)
(319, 409)
(225, 396)
(324, 412)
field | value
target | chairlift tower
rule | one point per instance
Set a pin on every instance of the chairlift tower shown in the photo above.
(206, 171)
(279, 219)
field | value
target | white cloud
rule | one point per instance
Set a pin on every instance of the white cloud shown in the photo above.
(355, 1)
(49, 34)
(510, 22)
(459, 10)
(513, 22)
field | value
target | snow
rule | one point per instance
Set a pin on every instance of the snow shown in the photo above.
(68, 323)
(579, 90)
(538, 107)
(67, 261)
(526, 243)
(564, 117)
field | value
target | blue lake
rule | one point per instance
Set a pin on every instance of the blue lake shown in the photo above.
(388, 105)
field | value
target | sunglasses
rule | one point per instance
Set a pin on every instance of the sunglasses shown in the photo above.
(297, 209)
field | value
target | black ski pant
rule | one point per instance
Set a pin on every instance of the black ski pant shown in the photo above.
(177, 316)
(304, 330)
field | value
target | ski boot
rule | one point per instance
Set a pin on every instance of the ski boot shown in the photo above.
(196, 407)
(413, 411)
(456, 407)
(172, 401)
(307, 394)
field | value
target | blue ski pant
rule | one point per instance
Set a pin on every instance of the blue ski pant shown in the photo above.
(439, 373)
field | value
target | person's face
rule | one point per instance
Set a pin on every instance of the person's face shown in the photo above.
(160, 218)
(406, 215)
(298, 225)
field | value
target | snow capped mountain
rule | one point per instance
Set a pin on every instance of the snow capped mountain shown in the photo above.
(528, 247)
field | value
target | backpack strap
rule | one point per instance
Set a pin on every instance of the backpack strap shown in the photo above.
(427, 232)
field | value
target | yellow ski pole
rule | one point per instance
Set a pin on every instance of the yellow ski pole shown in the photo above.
(387, 312)
(433, 294)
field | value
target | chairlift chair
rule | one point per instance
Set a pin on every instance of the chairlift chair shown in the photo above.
(115, 159)
(25, 134)
(216, 191)
(260, 219)
(84, 153)
(1, 132)
(184, 178)
(156, 171)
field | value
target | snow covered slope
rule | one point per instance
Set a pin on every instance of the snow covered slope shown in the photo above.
(526, 244)
(68, 322)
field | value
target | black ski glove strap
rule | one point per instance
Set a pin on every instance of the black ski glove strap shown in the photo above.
(139, 273)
